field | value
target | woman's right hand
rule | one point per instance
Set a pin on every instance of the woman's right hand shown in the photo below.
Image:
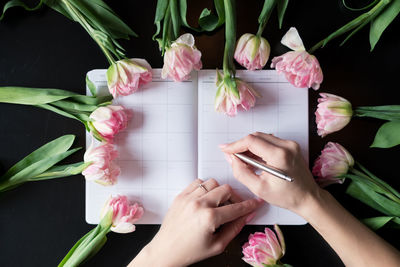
(282, 154)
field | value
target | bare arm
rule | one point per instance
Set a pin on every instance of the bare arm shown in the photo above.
(355, 244)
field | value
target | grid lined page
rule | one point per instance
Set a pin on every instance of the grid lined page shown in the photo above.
(157, 151)
(282, 111)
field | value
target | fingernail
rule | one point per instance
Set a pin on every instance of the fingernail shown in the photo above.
(250, 217)
(260, 200)
(228, 158)
(222, 146)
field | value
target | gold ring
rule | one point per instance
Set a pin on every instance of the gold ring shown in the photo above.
(203, 187)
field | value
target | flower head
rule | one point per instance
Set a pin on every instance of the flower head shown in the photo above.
(181, 58)
(102, 168)
(333, 162)
(121, 215)
(264, 249)
(109, 120)
(125, 76)
(252, 51)
(300, 68)
(333, 113)
(232, 93)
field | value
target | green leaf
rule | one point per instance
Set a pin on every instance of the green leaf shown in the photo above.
(208, 21)
(266, 11)
(61, 171)
(281, 6)
(377, 222)
(31, 96)
(74, 107)
(91, 86)
(175, 18)
(19, 3)
(381, 22)
(388, 112)
(57, 146)
(388, 135)
(373, 199)
(59, 111)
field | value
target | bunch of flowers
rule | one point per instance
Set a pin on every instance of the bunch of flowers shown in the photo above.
(335, 164)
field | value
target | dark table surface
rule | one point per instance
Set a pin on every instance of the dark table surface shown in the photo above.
(39, 222)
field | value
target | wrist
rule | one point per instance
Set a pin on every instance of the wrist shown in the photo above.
(312, 204)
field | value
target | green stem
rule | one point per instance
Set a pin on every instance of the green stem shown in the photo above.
(359, 9)
(388, 193)
(349, 26)
(230, 38)
(79, 18)
(265, 15)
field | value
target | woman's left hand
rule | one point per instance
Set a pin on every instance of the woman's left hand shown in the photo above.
(189, 231)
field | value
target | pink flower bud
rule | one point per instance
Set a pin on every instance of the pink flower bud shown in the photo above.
(125, 76)
(333, 162)
(264, 249)
(109, 120)
(102, 169)
(300, 68)
(228, 99)
(333, 113)
(252, 52)
(181, 58)
(124, 215)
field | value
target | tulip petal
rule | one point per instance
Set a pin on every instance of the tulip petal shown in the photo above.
(292, 40)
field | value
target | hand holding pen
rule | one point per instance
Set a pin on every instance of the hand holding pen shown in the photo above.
(285, 157)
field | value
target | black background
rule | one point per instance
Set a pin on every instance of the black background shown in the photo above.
(40, 222)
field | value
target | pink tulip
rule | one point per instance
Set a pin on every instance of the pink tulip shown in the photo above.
(125, 76)
(300, 68)
(109, 120)
(227, 99)
(102, 168)
(181, 58)
(264, 249)
(122, 214)
(252, 51)
(333, 114)
(333, 162)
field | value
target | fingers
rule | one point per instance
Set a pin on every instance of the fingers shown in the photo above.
(209, 185)
(229, 231)
(271, 138)
(219, 195)
(193, 186)
(244, 174)
(231, 212)
(254, 144)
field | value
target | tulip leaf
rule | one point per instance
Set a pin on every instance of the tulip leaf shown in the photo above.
(175, 18)
(57, 146)
(266, 11)
(388, 112)
(382, 21)
(73, 106)
(19, 3)
(91, 86)
(373, 199)
(388, 135)
(61, 171)
(207, 20)
(281, 6)
(377, 222)
(31, 96)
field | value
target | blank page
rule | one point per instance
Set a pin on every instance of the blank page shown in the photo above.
(157, 151)
(282, 111)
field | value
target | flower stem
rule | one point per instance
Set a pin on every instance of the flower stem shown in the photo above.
(230, 38)
(79, 18)
(264, 15)
(359, 21)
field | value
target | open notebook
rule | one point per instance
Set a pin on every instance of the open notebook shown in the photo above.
(174, 134)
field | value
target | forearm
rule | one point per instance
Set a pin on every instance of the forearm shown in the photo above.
(355, 244)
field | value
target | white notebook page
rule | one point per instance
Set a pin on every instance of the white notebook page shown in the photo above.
(158, 149)
(282, 111)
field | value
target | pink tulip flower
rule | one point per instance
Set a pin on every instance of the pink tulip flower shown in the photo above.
(181, 58)
(122, 214)
(227, 99)
(264, 249)
(333, 114)
(333, 162)
(300, 68)
(252, 51)
(109, 120)
(125, 76)
(102, 168)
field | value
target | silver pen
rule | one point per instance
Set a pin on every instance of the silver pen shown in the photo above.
(261, 166)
